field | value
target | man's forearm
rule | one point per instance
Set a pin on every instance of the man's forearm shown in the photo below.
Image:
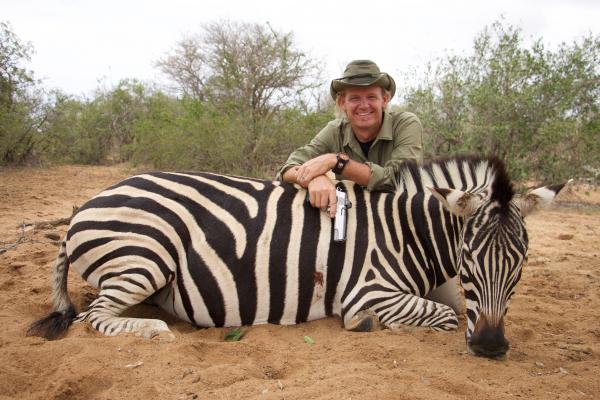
(357, 172)
(354, 171)
(290, 175)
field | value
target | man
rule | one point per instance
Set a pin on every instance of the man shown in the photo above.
(366, 145)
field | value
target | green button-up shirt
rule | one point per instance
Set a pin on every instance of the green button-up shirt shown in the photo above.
(400, 138)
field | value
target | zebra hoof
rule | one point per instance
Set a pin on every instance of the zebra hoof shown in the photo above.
(152, 329)
(364, 321)
(163, 337)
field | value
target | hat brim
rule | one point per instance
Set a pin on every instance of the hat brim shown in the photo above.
(384, 80)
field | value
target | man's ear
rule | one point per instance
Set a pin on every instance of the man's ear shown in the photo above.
(538, 198)
(386, 97)
(458, 202)
(340, 100)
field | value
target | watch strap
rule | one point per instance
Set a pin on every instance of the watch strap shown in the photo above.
(341, 161)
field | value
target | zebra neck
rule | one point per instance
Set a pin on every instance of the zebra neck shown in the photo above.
(467, 173)
(408, 236)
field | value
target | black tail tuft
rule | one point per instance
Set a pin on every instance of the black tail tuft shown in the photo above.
(54, 325)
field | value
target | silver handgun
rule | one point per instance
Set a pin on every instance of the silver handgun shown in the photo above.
(339, 227)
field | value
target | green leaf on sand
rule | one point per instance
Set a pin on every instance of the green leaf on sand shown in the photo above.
(234, 335)
(309, 340)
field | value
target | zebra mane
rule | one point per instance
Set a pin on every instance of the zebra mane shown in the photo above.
(466, 172)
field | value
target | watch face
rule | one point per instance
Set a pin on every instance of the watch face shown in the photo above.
(342, 160)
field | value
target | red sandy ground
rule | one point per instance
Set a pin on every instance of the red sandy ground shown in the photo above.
(553, 326)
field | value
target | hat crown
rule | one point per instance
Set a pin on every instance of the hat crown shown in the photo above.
(361, 68)
(362, 73)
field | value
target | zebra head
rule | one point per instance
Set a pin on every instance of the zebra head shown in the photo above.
(492, 252)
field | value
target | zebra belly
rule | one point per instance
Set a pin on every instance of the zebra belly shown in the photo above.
(170, 299)
(290, 309)
(204, 263)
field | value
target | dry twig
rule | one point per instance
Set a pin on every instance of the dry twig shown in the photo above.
(21, 239)
(50, 223)
(27, 226)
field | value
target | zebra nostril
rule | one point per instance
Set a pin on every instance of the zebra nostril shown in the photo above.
(489, 343)
(488, 339)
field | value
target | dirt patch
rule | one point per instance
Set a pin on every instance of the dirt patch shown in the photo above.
(553, 325)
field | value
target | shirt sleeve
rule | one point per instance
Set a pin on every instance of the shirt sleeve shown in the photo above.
(407, 145)
(323, 142)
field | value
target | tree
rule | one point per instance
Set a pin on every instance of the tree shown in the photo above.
(187, 67)
(532, 107)
(96, 130)
(247, 71)
(247, 65)
(20, 104)
(440, 100)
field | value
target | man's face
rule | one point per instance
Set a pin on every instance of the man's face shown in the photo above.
(364, 108)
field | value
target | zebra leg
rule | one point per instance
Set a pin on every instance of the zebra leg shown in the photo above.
(363, 321)
(114, 298)
(417, 311)
(400, 310)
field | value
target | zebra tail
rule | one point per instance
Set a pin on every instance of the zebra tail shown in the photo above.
(55, 324)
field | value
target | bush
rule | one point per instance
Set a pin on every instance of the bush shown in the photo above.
(534, 108)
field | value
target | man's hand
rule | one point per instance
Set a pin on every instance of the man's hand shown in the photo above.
(321, 192)
(315, 167)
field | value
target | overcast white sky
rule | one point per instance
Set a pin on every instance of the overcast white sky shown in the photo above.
(81, 43)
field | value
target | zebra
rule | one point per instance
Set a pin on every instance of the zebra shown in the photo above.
(219, 251)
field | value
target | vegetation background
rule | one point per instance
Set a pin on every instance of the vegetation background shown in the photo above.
(242, 96)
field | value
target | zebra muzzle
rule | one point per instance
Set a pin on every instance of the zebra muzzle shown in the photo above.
(488, 339)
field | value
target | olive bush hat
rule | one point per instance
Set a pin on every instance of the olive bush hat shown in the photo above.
(362, 73)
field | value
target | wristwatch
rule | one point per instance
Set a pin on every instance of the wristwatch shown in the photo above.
(341, 161)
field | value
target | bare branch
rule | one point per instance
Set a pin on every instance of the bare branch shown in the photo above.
(21, 239)
(50, 223)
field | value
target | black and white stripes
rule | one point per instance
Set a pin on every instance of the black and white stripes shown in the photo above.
(218, 250)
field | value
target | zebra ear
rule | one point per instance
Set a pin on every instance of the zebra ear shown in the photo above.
(538, 198)
(456, 201)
